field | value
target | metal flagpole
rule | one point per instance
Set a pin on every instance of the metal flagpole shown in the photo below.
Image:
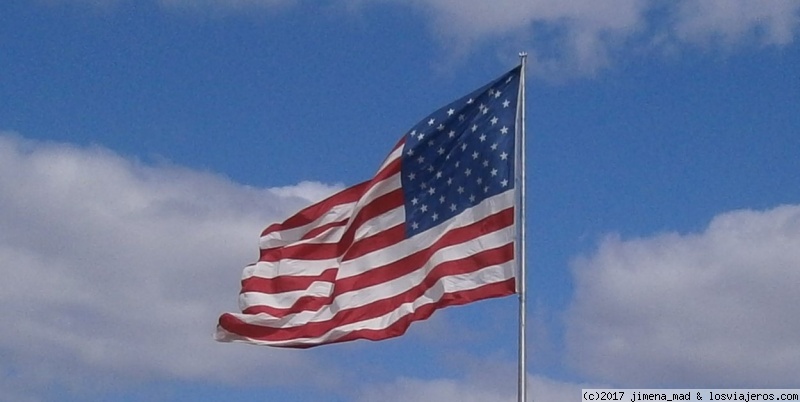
(522, 390)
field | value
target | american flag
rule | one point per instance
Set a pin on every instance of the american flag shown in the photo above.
(433, 228)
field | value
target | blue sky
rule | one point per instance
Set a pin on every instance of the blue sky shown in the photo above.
(144, 145)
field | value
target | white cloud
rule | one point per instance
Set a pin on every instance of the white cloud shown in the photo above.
(116, 269)
(713, 309)
(582, 37)
(571, 35)
(566, 38)
(773, 22)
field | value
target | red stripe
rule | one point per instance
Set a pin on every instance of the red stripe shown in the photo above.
(375, 242)
(346, 196)
(498, 289)
(375, 208)
(323, 251)
(378, 308)
(304, 303)
(398, 268)
(310, 252)
(414, 261)
(283, 284)
(315, 211)
(399, 327)
(321, 229)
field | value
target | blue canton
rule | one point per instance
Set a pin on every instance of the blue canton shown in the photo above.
(460, 155)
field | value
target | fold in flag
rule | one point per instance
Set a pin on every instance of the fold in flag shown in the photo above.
(433, 228)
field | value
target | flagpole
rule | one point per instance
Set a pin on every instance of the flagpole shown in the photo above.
(522, 390)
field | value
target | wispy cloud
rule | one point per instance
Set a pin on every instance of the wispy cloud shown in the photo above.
(733, 21)
(114, 269)
(582, 37)
(713, 309)
(565, 38)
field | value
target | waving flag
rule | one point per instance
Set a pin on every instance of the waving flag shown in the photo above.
(433, 228)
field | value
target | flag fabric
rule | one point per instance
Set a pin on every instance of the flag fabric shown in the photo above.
(433, 228)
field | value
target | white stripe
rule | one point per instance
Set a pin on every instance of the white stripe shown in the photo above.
(378, 224)
(289, 267)
(338, 213)
(396, 251)
(284, 237)
(396, 153)
(446, 285)
(384, 290)
(381, 257)
(285, 299)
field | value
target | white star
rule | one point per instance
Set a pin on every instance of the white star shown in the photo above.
(420, 136)
(494, 120)
(494, 147)
(472, 198)
(504, 183)
(474, 128)
(412, 176)
(431, 121)
(497, 94)
(431, 191)
(410, 152)
(438, 175)
(504, 130)
(414, 201)
(468, 172)
(464, 146)
(440, 127)
(453, 207)
(423, 208)
(469, 102)
(440, 151)
(435, 216)
(482, 137)
(475, 155)
(486, 163)
(506, 103)
(449, 181)
(461, 117)
(450, 112)
(460, 190)
(451, 134)
(479, 181)
(441, 199)
(503, 156)
(414, 225)
(494, 172)
(421, 159)
(486, 189)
